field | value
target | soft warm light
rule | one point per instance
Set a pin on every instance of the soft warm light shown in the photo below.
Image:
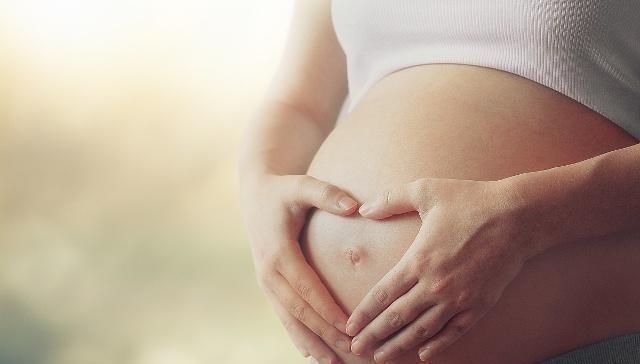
(121, 240)
(231, 34)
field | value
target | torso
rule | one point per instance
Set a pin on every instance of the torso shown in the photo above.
(468, 122)
(588, 50)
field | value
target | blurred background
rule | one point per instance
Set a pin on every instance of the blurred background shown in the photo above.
(121, 239)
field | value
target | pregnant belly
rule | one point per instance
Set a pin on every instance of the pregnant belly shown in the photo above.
(458, 121)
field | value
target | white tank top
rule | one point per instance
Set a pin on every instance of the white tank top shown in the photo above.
(588, 50)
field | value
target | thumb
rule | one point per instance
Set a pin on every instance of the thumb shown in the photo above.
(393, 201)
(324, 196)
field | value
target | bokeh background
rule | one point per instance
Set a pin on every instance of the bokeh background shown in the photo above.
(121, 239)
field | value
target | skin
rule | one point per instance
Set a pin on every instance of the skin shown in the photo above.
(454, 156)
(449, 287)
(297, 114)
(441, 284)
(297, 117)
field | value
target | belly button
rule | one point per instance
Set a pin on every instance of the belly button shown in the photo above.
(355, 255)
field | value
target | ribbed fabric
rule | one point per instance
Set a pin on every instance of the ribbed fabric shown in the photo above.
(623, 349)
(588, 50)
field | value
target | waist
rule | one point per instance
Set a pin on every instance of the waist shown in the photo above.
(460, 121)
(472, 123)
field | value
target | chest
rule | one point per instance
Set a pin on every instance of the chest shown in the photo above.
(572, 24)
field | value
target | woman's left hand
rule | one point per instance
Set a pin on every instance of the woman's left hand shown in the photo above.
(471, 245)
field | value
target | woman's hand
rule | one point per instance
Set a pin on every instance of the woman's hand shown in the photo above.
(469, 248)
(275, 211)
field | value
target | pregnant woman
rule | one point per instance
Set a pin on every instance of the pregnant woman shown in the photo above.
(452, 181)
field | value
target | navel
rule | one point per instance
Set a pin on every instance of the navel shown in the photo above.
(354, 255)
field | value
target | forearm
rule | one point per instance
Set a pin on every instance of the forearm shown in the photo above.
(589, 199)
(281, 139)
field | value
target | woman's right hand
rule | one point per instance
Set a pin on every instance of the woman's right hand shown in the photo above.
(276, 209)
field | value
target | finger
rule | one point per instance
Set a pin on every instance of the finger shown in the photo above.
(308, 343)
(401, 312)
(454, 329)
(402, 277)
(394, 201)
(300, 339)
(394, 284)
(428, 324)
(300, 310)
(312, 192)
(310, 288)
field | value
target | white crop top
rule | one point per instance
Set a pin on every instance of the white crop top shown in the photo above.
(588, 50)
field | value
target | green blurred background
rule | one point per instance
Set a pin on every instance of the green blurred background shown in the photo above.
(121, 239)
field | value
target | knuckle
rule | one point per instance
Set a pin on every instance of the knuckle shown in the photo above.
(367, 316)
(440, 286)
(298, 310)
(274, 263)
(304, 290)
(464, 299)
(322, 332)
(420, 263)
(394, 320)
(380, 296)
(332, 336)
(271, 261)
(422, 332)
(326, 192)
(419, 259)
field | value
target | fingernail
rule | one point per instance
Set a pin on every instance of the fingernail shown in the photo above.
(346, 203)
(356, 346)
(344, 346)
(378, 356)
(364, 209)
(351, 329)
(313, 361)
(424, 354)
(341, 326)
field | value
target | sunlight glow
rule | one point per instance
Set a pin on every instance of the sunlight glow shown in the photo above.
(119, 225)
(231, 32)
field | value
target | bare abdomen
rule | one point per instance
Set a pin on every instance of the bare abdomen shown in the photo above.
(467, 122)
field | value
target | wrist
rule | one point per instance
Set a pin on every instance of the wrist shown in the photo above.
(534, 233)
